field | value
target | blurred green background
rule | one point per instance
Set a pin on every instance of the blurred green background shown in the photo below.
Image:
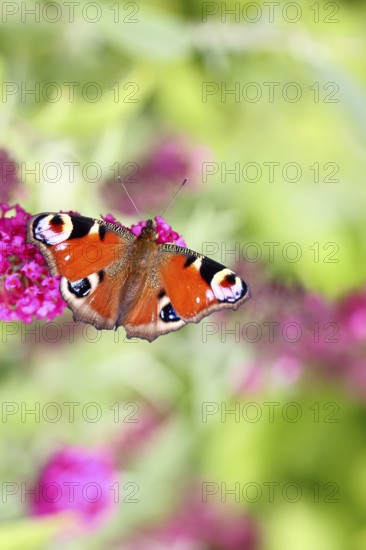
(164, 72)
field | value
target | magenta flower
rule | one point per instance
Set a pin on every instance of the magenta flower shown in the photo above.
(9, 177)
(303, 332)
(353, 315)
(165, 231)
(153, 179)
(111, 219)
(80, 481)
(26, 290)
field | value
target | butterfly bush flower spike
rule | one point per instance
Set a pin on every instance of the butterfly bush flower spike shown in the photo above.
(158, 172)
(77, 480)
(164, 230)
(27, 292)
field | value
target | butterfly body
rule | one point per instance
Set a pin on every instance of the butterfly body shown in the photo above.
(111, 278)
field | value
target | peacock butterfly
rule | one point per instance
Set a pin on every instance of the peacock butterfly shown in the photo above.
(110, 278)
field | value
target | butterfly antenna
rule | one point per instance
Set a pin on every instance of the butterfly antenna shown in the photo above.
(175, 194)
(129, 196)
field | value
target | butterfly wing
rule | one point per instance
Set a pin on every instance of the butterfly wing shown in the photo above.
(182, 287)
(197, 285)
(151, 316)
(89, 254)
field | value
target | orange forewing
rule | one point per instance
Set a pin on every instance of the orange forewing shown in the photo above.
(78, 258)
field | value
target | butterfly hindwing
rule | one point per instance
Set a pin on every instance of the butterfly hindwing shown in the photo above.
(152, 315)
(95, 299)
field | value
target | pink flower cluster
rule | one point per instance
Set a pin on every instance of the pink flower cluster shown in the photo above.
(27, 292)
(164, 166)
(307, 332)
(165, 231)
(78, 480)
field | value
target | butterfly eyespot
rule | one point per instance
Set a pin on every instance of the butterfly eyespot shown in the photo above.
(231, 279)
(168, 314)
(228, 287)
(80, 288)
(52, 229)
(57, 220)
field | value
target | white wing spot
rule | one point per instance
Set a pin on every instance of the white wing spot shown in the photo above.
(210, 295)
(217, 290)
(94, 228)
(197, 263)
